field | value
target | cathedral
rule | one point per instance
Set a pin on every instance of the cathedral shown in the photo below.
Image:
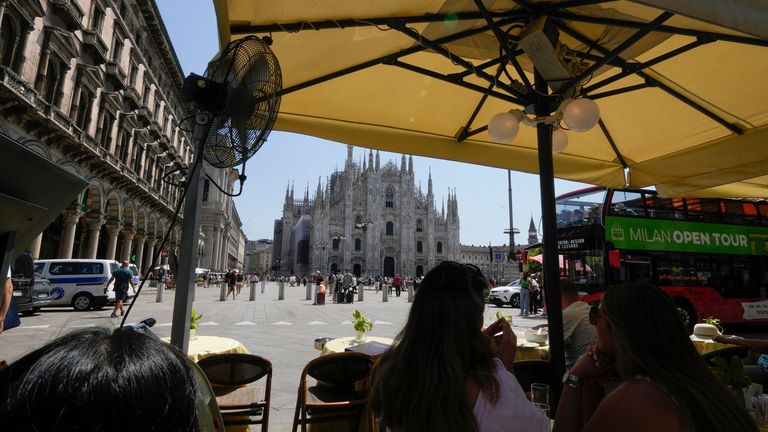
(368, 219)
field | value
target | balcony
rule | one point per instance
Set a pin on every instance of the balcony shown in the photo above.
(115, 75)
(131, 98)
(69, 12)
(14, 83)
(95, 46)
(143, 115)
(155, 131)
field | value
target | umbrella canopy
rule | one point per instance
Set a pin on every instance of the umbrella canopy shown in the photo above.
(681, 97)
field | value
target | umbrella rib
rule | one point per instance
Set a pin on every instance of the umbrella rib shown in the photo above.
(641, 33)
(630, 68)
(627, 89)
(379, 60)
(465, 131)
(437, 47)
(674, 93)
(612, 143)
(448, 79)
(295, 27)
(503, 41)
(662, 28)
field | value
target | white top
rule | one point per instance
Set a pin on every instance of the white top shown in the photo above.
(578, 333)
(513, 411)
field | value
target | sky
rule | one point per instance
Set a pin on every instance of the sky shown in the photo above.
(300, 159)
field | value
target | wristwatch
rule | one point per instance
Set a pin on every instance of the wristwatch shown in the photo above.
(572, 380)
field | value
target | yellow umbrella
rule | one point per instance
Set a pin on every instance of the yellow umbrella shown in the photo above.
(679, 87)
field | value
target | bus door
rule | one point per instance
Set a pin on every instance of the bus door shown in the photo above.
(636, 268)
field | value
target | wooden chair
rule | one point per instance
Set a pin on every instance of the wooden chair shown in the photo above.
(230, 375)
(341, 392)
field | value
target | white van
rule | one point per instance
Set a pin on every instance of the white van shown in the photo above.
(79, 282)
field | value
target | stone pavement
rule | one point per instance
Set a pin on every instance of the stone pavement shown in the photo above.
(282, 331)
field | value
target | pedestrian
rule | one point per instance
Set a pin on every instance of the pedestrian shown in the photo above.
(123, 277)
(263, 282)
(239, 281)
(525, 294)
(252, 279)
(533, 286)
(396, 282)
(321, 290)
(231, 280)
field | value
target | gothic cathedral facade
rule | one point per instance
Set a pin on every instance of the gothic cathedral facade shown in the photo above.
(367, 219)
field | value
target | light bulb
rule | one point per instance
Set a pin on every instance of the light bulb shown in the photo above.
(503, 127)
(581, 114)
(559, 140)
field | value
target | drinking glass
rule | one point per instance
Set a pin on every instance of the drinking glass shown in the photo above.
(544, 410)
(540, 393)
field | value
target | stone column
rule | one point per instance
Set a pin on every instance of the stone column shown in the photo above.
(215, 258)
(94, 227)
(150, 253)
(140, 237)
(71, 217)
(127, 243)
(34, 248)
(112, 231)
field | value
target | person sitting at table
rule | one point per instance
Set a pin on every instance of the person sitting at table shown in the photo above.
(757, 373)
(578, 333)
(443, 373)
(666, 385)
(96, 379)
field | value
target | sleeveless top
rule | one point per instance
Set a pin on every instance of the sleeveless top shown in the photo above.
(513, 411)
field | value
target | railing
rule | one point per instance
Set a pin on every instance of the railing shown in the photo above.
(18, 85)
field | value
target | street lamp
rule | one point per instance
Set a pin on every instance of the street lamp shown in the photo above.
(323, 245)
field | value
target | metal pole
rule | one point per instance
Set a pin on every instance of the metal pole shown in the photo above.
(185, 284)
(511, 224)
(551, 269)
(160, 291)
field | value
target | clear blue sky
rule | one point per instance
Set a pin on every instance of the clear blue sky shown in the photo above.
(301, 159)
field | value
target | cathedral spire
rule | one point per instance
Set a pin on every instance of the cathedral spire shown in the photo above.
(319, 192)
(378, 161)
(350, 161)
(443, 211)
(370, 159)
(410, 164)
(429, 182)
(291, 192)
(402, 165)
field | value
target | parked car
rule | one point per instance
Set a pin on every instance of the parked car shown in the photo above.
(506, 295)
(31, 295)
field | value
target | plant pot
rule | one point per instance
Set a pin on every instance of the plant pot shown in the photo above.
(192, 334)
(360, 336)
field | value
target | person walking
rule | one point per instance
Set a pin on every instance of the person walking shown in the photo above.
(533, 286)
(525, 294)
(263, 282)
(231, 280)
(396, 282)
(123, 277)
(321, 290)
(239, 281)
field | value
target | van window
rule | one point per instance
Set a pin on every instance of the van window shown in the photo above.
(133, 270)
(113, 267)
(70, 268)
(39, 267)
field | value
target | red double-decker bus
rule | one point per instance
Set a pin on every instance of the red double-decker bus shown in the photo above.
(709, 255)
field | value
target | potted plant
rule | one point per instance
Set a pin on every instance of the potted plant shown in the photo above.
(731, 373)
(361, 325)
(193, 319)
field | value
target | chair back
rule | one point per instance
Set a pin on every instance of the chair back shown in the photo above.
(235, 369)
(339, 369)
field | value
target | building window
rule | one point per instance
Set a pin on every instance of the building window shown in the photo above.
(390, 229)
(98, 19)
(419, 247)
(7, 41)
(106, 130)
(358, 244)
(439, 247)
(389, 202)
(206, 190)
(419, 225)
(51, 85)
(117, 49)
(145, 95)
(83, 119)
(137, 160)
(335, 244)
(134, 73)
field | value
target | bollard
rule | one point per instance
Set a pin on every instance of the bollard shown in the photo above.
(160, 291)
(252, 297)
(309, 291)
(360, 294)
(222, 291)
(281, 292)
(410, 293)
(384, 294)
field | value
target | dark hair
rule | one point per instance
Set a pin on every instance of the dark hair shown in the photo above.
(567, 286)
(659, 347)
(319, 279)
(96, 379)
(419, 384)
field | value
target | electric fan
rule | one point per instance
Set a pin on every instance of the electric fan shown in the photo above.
(237, 103)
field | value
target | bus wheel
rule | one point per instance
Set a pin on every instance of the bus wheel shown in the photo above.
(687, 313)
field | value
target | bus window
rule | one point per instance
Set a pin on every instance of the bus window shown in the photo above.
(625, 203)
(585, 268)
(733, 211)
(703, 210)
(580, 209)
(750, 213)
(669, 208)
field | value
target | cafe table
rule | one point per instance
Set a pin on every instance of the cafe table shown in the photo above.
(204, 346)
(707, 345)
(341, 344)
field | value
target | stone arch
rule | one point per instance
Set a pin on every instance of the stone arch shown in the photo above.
(39, 148)
(129, 214)
(68, 165)
(141, 221)
(93, 198)
(113, 207)
(151, 226)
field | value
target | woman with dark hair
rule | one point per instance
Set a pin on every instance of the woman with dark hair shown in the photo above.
(99, 380)
(443, 373)
(666, 385)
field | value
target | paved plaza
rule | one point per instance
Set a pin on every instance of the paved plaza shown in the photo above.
(282, 331)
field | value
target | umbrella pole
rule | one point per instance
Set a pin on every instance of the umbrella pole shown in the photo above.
(550, 265)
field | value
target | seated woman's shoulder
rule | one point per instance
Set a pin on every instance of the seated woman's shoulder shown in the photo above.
(627, 407)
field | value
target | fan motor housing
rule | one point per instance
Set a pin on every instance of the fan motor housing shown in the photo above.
(205, 93)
